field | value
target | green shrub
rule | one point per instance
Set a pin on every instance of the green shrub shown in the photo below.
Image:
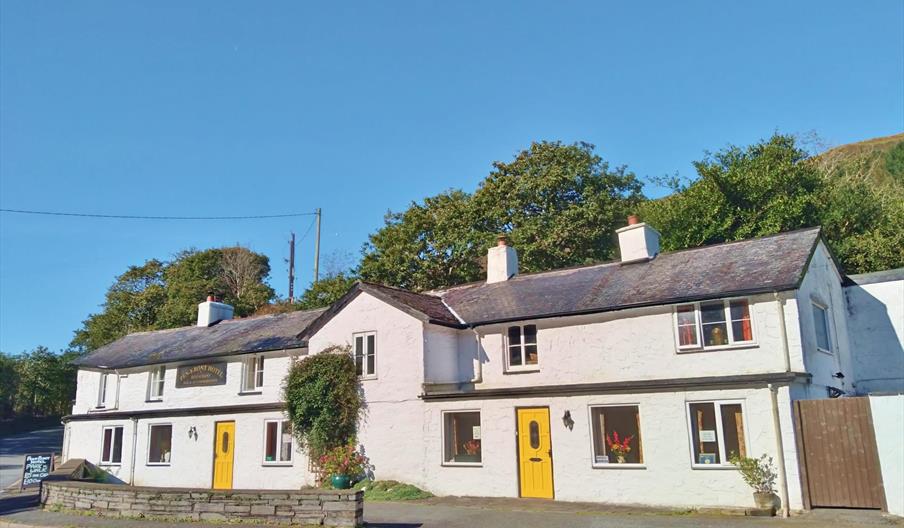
(390, 490)
(758, 473)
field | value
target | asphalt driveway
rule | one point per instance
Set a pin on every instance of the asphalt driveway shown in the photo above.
(14, 448)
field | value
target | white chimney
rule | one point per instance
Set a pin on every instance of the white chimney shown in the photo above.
(211, 311)
(637, 241)
(502, 261)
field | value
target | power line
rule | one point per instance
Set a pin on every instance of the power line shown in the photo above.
(139, 217)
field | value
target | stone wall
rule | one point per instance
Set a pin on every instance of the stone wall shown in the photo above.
(305, 506)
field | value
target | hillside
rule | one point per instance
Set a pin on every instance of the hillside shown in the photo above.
(878, 160)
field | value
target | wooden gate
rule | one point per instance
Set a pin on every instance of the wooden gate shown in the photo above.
(836, 445)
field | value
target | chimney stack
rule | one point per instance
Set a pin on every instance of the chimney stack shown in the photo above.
(211, 311)
(637, 241)
(502, 261)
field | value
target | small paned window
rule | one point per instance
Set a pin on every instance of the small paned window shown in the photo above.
(522, 346)
(104, 390)
(717, 432)
(160, 444)
(713, 324)
(156, 382)
(461, 437)
(616, 435)
(111, 451)
(821, 325)
(277, 442)
(366, 354)
(253, 374)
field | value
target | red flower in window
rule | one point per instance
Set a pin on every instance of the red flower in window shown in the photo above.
(619, 447)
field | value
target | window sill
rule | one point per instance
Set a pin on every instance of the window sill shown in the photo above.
(713, 466)
(158, 464)
(462, 464)
(521, 370)
(617, 465)
(153, 400)
(739, 346)
(824, 351)
(101, 409)
(110, 464)
(277, 464)
(251, 392)
(366, 378)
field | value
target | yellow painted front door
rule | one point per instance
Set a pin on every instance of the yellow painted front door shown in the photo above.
(223, 451)
(535, 453)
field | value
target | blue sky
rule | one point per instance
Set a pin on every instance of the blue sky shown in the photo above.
(212, 108)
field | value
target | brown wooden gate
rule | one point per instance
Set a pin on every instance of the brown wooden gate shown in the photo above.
(836, 446)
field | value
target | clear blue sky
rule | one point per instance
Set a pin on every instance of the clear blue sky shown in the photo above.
(207, 108)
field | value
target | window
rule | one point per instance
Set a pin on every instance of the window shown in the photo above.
(106, 391)
(160, 444)
(718, 323)
(717, 431)
(461, 438)
(616, 435)
(155, 383)
(366, 354)
(111, 452)
(277, 442)
(522, 346)
(253, 374)
(821, 324)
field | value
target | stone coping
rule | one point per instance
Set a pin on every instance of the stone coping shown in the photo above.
(158, 489)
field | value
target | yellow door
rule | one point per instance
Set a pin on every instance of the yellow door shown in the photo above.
(535, 453)
(223, 450)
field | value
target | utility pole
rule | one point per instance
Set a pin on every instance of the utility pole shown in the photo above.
(317, 248)
(292, 267)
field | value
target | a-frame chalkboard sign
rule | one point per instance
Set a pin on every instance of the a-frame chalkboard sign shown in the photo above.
(35, 470)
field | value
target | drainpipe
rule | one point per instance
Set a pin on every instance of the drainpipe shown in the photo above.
(780, 449)
(783, 330)
(478, 372)
(134, 447)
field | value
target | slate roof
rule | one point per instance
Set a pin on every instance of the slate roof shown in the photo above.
(772, 263)
(235, 336)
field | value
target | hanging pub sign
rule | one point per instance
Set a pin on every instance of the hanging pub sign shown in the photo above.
(202, 375)
(35, 470)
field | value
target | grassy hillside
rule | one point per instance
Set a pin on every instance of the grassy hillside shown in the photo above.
(879, 161)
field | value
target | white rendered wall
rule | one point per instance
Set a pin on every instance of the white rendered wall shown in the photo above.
(392, 430)
(876, 326)
(441, 361)
(633, 344)
(822, 284)
(888, 422)
(191, 462)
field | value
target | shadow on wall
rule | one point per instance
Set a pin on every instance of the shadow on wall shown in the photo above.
(876, 348)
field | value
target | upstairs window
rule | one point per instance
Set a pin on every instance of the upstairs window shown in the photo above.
(522, 347)
(713, 324)
(366, 354)
(155, 384)
(821, 325)
(111, 452)
(277, 442)
(253, 374)
(106, 393)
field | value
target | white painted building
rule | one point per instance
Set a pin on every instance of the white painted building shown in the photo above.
(516, 386)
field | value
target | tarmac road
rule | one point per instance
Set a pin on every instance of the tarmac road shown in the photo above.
(14, 448)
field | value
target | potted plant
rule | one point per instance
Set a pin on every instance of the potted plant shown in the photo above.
(619, 447)
(760, 475)
(342, 464)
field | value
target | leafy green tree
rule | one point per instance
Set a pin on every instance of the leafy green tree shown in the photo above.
(558, 203)
(9, 384)
(159, 294)
(46, 382)
(325, 291)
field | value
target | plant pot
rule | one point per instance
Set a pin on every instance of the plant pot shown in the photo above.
(341, 481)
(620, 459)
(764, 499)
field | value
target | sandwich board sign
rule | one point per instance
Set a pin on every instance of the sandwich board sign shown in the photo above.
(35, 470)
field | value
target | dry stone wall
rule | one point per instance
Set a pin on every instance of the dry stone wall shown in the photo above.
(304, 507)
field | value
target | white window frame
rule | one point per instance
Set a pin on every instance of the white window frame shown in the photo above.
(103, 433)
(366, 353)
(107, 397)
(255, 364)
(720, 435)
(627, 465)
(156, 380)
(442, 453)
(150, 431)
(698, 319)
(279, 432)
(828, 322)
(524, 366)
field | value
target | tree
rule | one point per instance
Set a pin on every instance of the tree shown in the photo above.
(558, 203)
(46, 382)
(9, 384)
(160, 294)
(325, 292)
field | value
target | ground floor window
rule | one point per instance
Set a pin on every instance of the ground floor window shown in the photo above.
(277, 441)
(616, 435)
(160, 444)
(717, 431)
(111, 452)
(461, 437)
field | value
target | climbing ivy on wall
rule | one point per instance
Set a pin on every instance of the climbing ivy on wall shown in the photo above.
(324, 400)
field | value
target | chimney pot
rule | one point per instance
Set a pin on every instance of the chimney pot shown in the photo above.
(502, 240)
(633, 219)
(211, 298)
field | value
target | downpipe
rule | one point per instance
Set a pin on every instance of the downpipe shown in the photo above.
(780, 451)
(478, 370)
(134, 449)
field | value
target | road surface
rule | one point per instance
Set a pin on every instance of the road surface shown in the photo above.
(14, 448)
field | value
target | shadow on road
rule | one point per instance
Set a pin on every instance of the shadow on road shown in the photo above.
(44, 440)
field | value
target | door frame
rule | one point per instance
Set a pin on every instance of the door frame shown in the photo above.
(552, 470)
(213, 462)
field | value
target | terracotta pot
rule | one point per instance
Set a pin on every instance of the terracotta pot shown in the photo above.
(764, 499)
